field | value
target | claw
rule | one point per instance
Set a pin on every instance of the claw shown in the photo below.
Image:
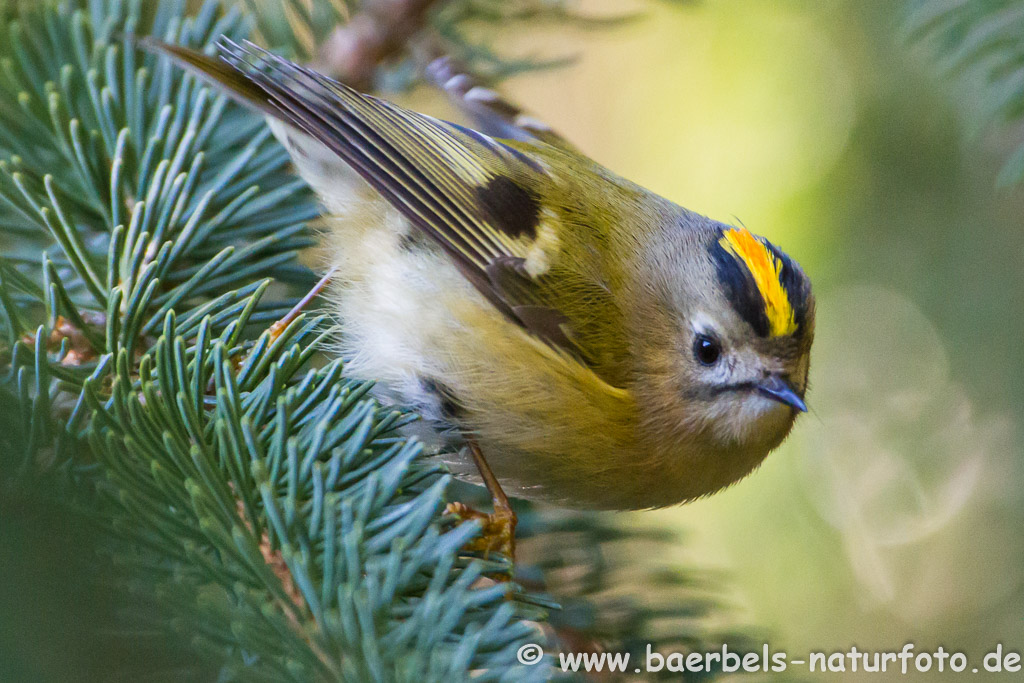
(498, 529)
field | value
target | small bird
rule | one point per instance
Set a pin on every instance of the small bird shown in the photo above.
(592, 343)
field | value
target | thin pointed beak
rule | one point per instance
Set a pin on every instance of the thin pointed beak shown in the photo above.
(778, 389)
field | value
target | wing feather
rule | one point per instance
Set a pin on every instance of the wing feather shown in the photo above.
(473, 195)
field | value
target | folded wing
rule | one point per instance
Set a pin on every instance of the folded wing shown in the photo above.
(480, 199)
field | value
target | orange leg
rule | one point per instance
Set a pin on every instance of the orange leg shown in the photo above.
(499, 528)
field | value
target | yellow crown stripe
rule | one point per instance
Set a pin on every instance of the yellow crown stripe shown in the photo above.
(765, 269)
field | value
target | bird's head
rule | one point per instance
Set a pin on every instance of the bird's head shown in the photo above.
(730, 373)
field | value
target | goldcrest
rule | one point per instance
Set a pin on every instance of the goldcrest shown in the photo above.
(604, 347)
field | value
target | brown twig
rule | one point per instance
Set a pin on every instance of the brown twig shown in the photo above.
(381, 30)
(80, 350)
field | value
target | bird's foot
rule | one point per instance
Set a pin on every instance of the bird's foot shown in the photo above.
(498, 529)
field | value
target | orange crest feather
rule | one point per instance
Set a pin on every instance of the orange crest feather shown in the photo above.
(765, 268)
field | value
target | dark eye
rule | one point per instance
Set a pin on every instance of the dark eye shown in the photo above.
(706, 349)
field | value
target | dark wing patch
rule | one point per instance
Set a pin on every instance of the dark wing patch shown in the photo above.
(514, 210)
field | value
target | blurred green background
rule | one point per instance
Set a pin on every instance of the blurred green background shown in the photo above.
(894, 513)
